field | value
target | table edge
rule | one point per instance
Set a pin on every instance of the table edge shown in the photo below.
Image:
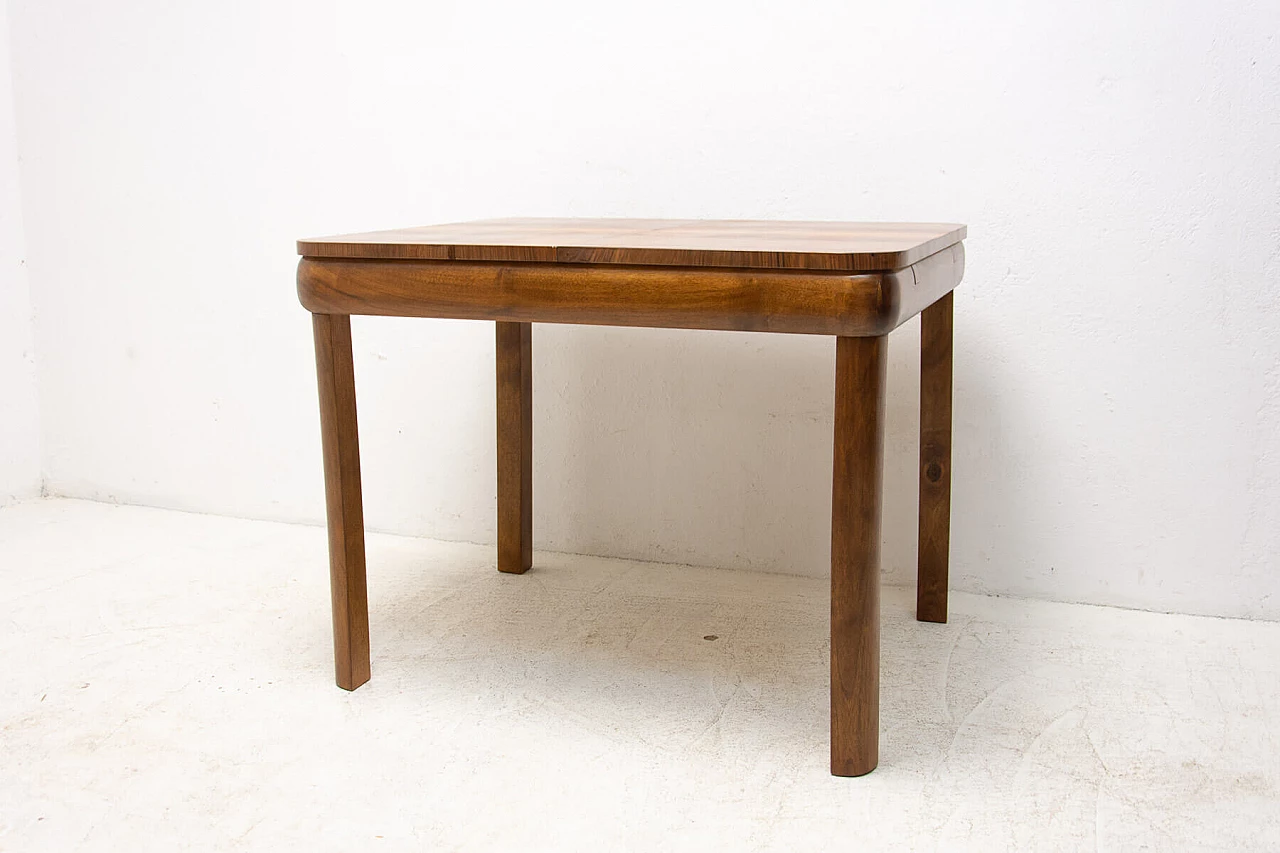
(329, 247)
(842, 303)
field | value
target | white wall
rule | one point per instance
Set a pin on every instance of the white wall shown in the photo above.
(19, 413)
(1117, 392)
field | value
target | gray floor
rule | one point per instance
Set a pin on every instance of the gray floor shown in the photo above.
(168, 686)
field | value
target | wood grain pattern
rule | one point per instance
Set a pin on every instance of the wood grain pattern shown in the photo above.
(855, 554)
(854, 281)
(665, 297)
(935, 460)
(825, 246)
(515, 447)
(341, 448)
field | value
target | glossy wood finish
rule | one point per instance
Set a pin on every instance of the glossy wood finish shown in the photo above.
(864, 304)
(515, 447)
(855, 554)
(341, 448)
(854, 282)
(935, 460)
(826, 246)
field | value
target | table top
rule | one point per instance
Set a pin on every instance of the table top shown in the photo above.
(828, 246)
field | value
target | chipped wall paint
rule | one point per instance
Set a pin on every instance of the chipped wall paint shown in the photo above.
(1116, 385)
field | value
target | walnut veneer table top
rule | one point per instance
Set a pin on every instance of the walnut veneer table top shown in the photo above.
(830, 246)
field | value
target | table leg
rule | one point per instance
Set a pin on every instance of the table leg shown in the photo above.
(935, 461)
(515, 447)
(855, 555)
(341, 446)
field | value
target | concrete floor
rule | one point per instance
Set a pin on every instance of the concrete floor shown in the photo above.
(167, 686)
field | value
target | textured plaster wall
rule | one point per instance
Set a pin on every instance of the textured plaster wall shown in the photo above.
(1116, 416)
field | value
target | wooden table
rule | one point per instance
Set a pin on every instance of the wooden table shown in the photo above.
(854, 281)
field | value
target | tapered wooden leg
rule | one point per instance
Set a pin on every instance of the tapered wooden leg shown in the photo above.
(515, 447)
(855, 555)
(341, 446)
(935, 461)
